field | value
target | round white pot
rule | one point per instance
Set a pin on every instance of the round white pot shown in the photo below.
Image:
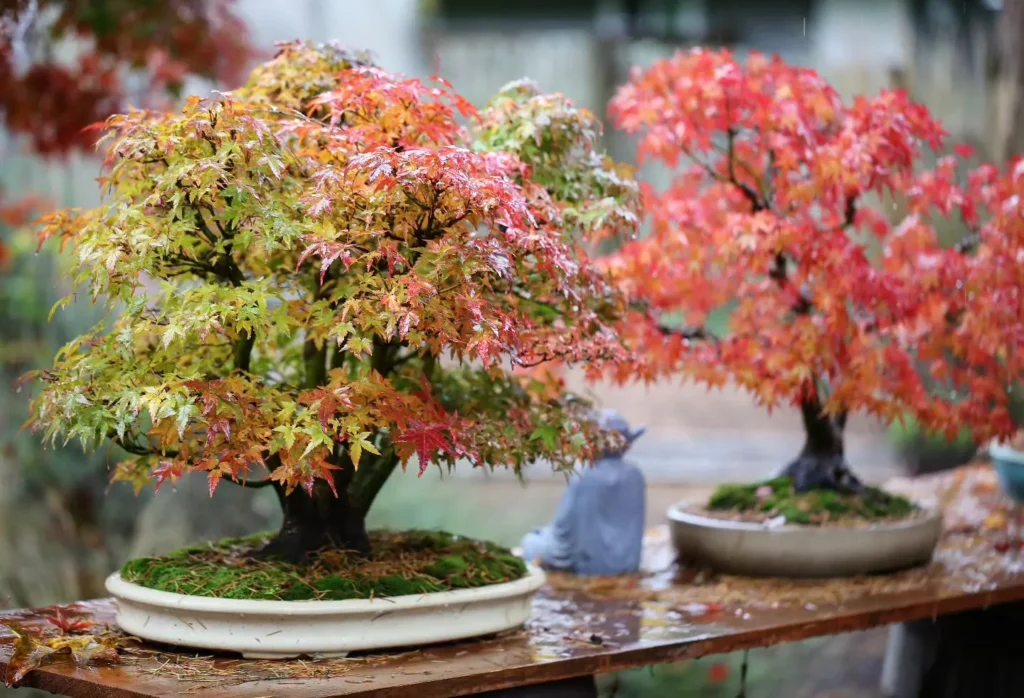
(790, 550)
(286, 629)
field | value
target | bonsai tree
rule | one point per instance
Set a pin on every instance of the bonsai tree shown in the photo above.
(333, 270)
(778, 217)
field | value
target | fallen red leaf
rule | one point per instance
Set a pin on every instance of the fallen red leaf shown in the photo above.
(67, 625)
(29, 653)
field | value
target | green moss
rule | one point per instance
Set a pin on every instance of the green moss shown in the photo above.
(778, 497)
(740, 497)
(409, 562)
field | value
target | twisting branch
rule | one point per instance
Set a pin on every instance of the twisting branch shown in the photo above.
(755, 201)
(135, 448)
(688, 333)
(250, 484)
(968, 244)
(243, 352)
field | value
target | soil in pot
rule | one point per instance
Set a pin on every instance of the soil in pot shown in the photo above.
(761, 502)
(402, 563)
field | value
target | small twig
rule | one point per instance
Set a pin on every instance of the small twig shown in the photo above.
(688, 333)
(968, 244)
(250, 484)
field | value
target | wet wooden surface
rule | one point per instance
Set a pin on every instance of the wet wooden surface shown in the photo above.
(581, 627)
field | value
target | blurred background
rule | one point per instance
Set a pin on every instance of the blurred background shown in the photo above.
(62, 529)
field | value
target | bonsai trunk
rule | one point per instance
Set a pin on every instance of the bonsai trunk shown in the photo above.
(321, 520)
(822, 463)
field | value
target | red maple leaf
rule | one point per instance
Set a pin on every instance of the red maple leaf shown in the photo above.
(67, 624)
(167, 470)
(329, 402)
(427, 439)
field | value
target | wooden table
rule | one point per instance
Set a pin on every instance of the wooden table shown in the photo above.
(580, 628)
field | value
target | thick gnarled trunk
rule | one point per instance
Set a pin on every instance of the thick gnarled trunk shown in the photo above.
(822, 461)
(321, 520)
(317, 522)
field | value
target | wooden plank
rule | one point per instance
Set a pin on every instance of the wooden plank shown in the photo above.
(581, 627)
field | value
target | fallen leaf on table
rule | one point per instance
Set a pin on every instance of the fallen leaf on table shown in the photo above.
(91, 652)
(29, 654)
(68, 624)
(996, 520)
(32, 651)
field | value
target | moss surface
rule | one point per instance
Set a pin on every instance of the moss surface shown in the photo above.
(410, 562)
(778, 497)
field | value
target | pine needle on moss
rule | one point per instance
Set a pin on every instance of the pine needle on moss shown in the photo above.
(411, 562)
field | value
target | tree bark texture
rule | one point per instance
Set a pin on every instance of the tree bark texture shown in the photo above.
(327, 518)
(822, 461)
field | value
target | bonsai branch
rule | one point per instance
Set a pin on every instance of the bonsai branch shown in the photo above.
(371, 477)
(130, 445)
(384, 355)
(250, 484)
(688, 333)
(968, 244)
(135, 448)
(756, 203)
(315, 359)
(243, 352)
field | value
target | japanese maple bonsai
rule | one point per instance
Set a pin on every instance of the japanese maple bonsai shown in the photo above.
(778, 215)
(332, 270)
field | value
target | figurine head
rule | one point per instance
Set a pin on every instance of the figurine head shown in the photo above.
(613, 421)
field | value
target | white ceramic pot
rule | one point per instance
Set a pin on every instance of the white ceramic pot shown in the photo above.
(790, 550)
(286, 629)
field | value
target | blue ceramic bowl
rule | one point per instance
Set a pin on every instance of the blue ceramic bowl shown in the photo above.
(1009, 465)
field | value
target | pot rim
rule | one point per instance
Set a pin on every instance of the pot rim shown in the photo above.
(678, 515)
(530, 583)
(1005, 452)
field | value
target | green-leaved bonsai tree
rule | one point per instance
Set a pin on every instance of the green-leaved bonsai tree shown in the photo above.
(330, 271)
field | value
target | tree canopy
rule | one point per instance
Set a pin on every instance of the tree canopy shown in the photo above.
(780, 210)
(335, 266)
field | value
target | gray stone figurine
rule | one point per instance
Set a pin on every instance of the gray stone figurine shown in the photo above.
(598, 528)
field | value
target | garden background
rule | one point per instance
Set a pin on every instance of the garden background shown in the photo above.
(62, 531)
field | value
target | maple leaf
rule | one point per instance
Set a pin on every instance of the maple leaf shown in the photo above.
(167, 470)
(90, 652)
(29, 654)
(66, 624)
(32, 650)
(329, 253)
(329, 402)
(427, 439)
(358, 444)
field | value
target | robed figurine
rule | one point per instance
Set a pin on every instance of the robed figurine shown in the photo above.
(598, 528)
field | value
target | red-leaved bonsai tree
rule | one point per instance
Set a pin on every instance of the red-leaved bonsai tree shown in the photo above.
(334, 269)
(778, 215)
